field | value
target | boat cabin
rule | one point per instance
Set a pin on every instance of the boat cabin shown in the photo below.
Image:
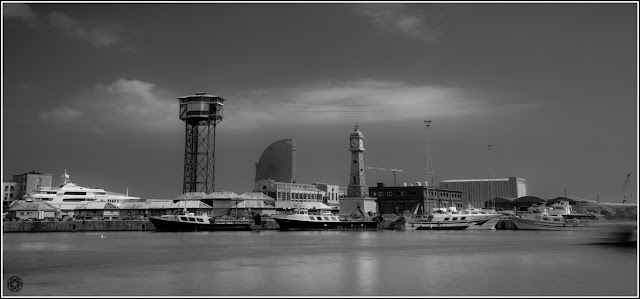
(186, 217)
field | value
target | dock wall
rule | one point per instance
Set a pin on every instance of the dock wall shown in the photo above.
(266, 224)
(140, 225)
(99, 225)
(77, 226)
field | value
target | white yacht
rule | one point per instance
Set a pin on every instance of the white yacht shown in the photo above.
(451, 219)
(69, 195)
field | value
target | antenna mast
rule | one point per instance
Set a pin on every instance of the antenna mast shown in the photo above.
(493, 204)
(429, 161)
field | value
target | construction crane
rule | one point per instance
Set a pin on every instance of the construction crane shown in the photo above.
(388, 169)
(624, 188)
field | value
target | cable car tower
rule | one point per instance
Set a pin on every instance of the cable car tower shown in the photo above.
(201, 113)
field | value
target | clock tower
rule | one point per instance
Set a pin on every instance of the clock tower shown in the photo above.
(357, 203)
(357, 186)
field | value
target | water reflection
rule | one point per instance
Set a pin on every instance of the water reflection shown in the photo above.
(272, 263)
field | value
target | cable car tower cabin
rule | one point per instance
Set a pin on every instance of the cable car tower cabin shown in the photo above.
(201, 113)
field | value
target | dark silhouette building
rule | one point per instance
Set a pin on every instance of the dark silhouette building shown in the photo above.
(416, 199)
(278, 162)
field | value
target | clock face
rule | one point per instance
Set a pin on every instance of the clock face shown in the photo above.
(360, 142)
(354, 142)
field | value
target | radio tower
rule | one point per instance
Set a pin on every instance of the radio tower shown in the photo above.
(201, 113)
(429, 162)
(492, 200)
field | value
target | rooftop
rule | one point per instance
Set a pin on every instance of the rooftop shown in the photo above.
(32, 206)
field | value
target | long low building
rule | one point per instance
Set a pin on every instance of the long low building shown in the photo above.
(288, 191)
(478, 191)
(416, 198)
(32, 210)
(578, 205)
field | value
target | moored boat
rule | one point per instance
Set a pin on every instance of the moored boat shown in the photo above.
(302, 220)
(186, 222)
(469, 219)
(543, 221)
(565, 210)
(544, 218)
(448, 223)
(69, 196)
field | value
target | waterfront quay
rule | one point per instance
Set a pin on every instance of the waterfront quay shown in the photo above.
(25, 226)
(99, 225)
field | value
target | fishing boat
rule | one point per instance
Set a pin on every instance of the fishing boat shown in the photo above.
(539, 218)
(564, 209)
(301, 219)
(188, 222)
(451, 219)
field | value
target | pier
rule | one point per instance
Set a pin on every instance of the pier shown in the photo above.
(99, 225)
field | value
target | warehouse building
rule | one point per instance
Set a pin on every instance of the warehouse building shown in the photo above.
(478, 191)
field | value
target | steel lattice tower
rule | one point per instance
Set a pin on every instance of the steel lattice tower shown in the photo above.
(201, 113)
(429, 161)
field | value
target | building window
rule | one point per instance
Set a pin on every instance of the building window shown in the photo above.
(380, 193)
(402, 193)
(388, 193)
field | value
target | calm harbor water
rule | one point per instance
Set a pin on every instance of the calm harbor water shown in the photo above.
(323, 263)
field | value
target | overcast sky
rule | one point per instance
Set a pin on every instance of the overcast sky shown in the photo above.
(92, 88)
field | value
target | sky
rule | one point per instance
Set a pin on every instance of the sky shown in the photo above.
(92, 89)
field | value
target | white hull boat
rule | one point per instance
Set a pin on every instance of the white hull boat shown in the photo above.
(68, 195)
(469, 219)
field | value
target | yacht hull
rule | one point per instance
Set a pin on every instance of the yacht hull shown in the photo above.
(478, 224)
(177, 226)
(294, 224)
(530, 224)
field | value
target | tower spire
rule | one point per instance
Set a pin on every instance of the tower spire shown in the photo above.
(357, 186)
